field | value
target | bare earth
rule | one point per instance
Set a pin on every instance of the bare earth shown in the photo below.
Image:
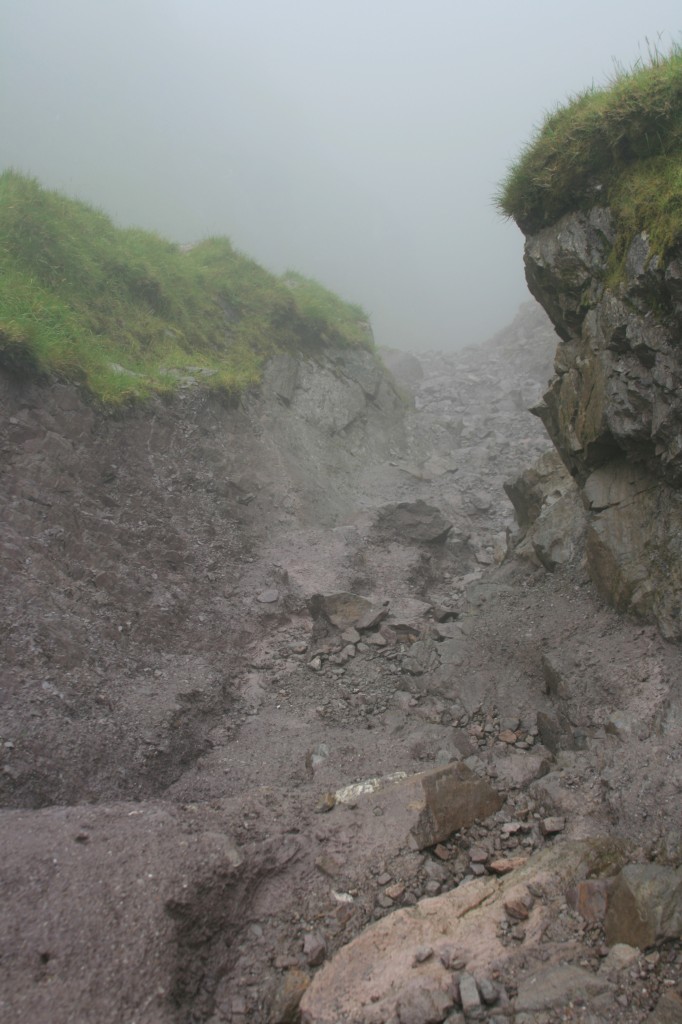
(178, 714)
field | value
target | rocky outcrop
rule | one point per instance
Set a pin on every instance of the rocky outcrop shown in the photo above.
(614, 406)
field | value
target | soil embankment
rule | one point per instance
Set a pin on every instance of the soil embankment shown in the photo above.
(188, 698)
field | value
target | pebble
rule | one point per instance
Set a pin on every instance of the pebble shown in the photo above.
(507, 736)
(468, 995)
(551, 826)
(516, 909)
(478, 855)
(314, 948)
(489, 991)
(506, 864)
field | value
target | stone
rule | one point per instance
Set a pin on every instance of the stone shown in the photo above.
(613, 408)
(347, 611)
(314, 948)
(557, 676)
(555, 732)
(588, 898)
(478, 855)
(268, 596)
(507, 736)
(546, 479)
(505, 865)
(414, 522)
(287, 997)
(446, 800)
(281, 375)
(490, 993)
(423, 1002)
(516, 770)
(668, 1010)
(469, 997)
(551, 988)
(645, 906)
(423, 657)
(558, 535)
(551, 826)
(619, 958)
(517, 908)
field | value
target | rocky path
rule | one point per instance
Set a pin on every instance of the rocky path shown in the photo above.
(395, 799)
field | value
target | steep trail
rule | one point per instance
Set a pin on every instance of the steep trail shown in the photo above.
(192, 671)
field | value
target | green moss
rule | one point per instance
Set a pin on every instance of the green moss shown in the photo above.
(126, 312)
(620, 145)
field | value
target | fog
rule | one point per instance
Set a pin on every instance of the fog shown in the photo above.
(358, 142)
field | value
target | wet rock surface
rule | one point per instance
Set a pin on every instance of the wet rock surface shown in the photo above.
(239, 680)
(613, 406)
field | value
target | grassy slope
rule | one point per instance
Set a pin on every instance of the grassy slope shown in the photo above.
(621, 145)
(126, 312)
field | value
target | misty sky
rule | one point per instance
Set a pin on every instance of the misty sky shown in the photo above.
(357, 141)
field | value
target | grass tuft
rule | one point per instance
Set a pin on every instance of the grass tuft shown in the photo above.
(127, 313)
(620, 145)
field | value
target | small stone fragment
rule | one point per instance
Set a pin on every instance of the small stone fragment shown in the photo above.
(287, 996)
(489, 991)
(423, 953)
(619, 958)
(589, 898)
(442, 852)
(552, 826)
(326, 803)
(507, 736)
(268, 596)
(423, 1002)
(314, 948)
(395, 892)
(468, 995)
(516, 909)
(504, 865)
(330, 864)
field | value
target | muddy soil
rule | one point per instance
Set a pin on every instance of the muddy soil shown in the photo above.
(179, 713)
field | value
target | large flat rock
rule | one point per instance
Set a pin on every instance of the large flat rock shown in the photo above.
(371, 979)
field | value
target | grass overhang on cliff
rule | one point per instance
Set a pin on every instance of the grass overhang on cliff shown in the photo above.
(619, 146)
(126, 313)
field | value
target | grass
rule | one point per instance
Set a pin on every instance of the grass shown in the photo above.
(126, 313)
(620, 145)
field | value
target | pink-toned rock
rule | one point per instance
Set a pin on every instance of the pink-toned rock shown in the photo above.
(589, 899)
(504, 865)
(370, 981)
(507, 736)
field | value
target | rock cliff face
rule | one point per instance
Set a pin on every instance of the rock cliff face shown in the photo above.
(614, 406)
